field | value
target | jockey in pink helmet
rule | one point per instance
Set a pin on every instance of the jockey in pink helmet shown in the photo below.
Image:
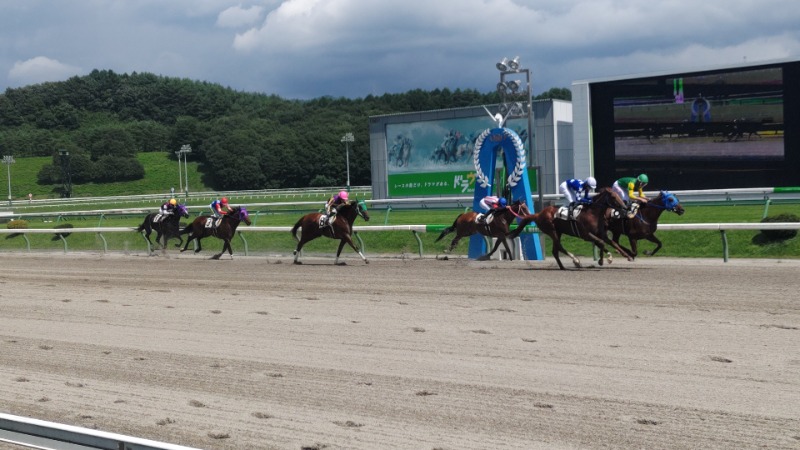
(330, 207)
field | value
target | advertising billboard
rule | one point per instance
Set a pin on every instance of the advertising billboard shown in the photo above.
(436, 158)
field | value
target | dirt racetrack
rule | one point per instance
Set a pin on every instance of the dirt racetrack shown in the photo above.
(257, 353)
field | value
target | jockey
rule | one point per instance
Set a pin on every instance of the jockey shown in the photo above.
(220, 207)
(577, 191)
(169, 207)
(336, 200)
(628, 187)
(492, 204)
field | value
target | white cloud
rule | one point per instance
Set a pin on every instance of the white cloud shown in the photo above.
(41, 69)
(236, 16)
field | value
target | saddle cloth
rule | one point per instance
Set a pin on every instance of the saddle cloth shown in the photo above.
(324, 221)
(479, 219)
(210, 222)
(563, 212)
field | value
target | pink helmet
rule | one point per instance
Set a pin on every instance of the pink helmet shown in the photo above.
(343, 195)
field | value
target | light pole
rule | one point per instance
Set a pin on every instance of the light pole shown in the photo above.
(67, 172)
(180, 171)
(347, 139)
(511, 108)
(186, 148)
(8, 161)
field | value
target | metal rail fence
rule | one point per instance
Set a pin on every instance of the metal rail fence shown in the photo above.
(723, 228)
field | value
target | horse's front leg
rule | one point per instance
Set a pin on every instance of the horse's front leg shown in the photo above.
(615, 239)
(605, 240)
(349, 240)
(225, 246)
(494, 249)
(654, 240)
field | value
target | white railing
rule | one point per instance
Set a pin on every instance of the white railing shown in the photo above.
(414, 229)
(34, 433)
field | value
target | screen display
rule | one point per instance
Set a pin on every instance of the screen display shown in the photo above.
(730, 116)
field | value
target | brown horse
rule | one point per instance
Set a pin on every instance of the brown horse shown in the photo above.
(166, 226)
(466, 224)
(204, 226)
(644, 224)
(313, 225)
(590, 225)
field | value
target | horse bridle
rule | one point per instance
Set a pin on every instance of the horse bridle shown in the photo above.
(664, 200)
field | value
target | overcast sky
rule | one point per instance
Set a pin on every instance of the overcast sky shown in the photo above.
(302, 49)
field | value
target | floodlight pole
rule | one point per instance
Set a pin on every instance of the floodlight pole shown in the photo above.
(180, 171)
(8, 160)
(347, 139)
(66, 171)
(186, 148)
(512, 68)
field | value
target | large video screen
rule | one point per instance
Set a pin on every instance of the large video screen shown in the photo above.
(723, 128)
(725, 116)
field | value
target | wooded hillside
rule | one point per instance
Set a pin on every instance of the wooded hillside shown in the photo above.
(241, 140)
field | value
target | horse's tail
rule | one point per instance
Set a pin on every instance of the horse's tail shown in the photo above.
(187, 229)
(522, 224)
(295, 228)
(143, 225)
(448, 230)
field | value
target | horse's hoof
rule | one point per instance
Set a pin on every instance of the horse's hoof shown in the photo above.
(340, 263)
(366, 261)
(298, 263)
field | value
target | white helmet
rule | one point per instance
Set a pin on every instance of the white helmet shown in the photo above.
(591, 182)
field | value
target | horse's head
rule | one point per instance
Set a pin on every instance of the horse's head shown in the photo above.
(182, 210)
(671, 203)
(362, 209)
(241, 214)
(519, 208)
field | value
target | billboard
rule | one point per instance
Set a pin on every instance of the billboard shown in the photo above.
(436, 157)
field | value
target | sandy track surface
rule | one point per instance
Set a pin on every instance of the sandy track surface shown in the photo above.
(258, 353)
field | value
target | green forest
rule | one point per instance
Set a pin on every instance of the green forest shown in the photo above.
(239, 140)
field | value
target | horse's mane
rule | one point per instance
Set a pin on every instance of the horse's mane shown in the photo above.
(602, 195)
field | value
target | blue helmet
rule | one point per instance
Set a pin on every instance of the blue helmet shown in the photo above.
(503, 202)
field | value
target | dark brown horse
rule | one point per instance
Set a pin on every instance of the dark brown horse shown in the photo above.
(644, 224)
(204, 226)
(164, 226)
(466, 224)
(313, 225)
(590, 225)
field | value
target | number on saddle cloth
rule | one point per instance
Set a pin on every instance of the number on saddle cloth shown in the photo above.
(209, 222)
(158, 218)
(633, 210)
(563, 212)
(484, 219)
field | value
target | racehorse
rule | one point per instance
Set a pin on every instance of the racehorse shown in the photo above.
(204, 226)
(400, 152)
(644, 224)
(466, 225)
(313, 225)
(166, 226)
(589, 225)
